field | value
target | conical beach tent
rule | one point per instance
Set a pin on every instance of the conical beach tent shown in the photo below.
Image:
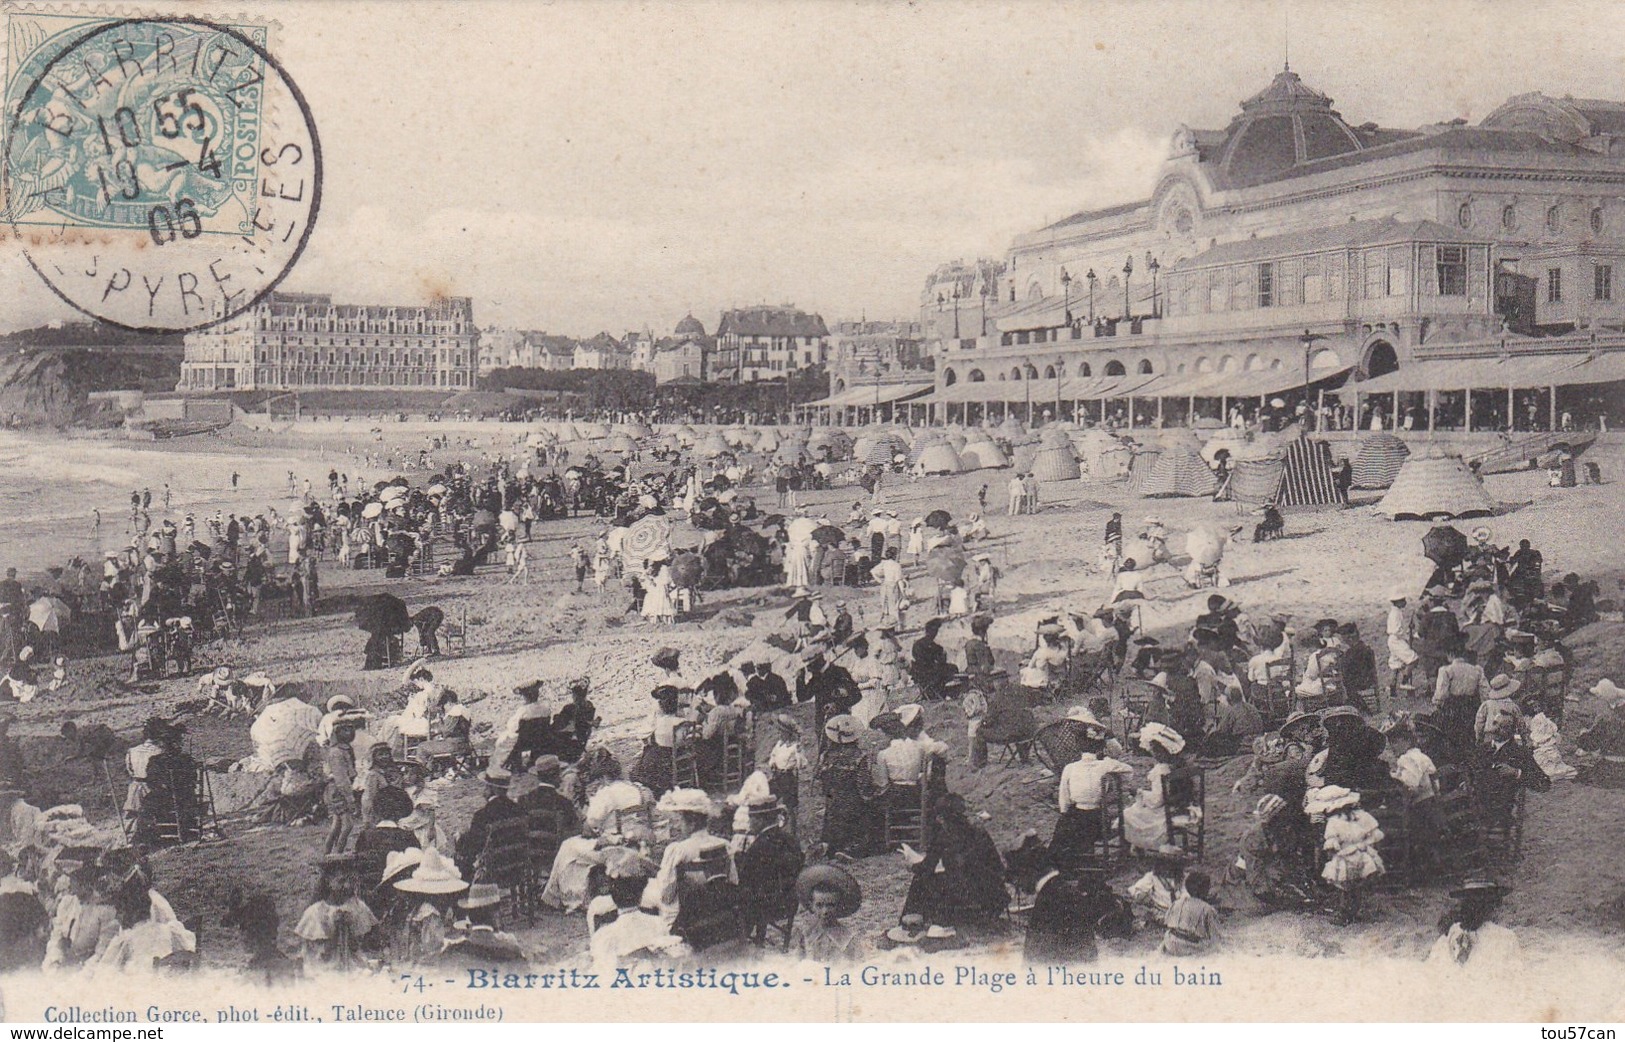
(1379, 460)
(1307, 479)
(1179, 473)
(939, 459)
(1056, 464)
(1436, 486)
(982, 455)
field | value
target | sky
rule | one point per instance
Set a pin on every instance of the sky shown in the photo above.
(593, 165)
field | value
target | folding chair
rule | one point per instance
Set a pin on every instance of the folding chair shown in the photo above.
(738, 753)
(1276, 694)
(505, 863)
(1112, 844)
(904, 813)
(1185, 788)
(685, 764)
(454, 634)
(1134, 702)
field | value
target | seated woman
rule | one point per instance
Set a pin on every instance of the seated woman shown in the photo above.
(149, 932)
(960, 877)
(653, 769)
(618, 814)
(1081, 794)
(1145, 823)
(846, 778)
(1043, 669)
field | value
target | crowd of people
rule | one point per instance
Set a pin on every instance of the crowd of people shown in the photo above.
(1407, 756)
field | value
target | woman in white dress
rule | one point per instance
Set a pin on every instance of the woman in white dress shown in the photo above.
(657, 595)
(889, 574)
(1145, 823)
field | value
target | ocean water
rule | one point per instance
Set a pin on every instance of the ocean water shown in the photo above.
(50, 488)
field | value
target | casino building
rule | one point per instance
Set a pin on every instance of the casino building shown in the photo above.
(1458, 275)
(303, 341)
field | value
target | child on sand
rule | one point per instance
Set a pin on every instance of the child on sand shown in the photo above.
(1352, 836)
(578, 561)
(333, 925)
(1193, 924)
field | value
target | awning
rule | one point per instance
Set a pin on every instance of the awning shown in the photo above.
(1255, 383)
(1455, 374)
(869, 394)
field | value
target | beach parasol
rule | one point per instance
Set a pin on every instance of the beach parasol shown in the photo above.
(686, 570)
(1206, 546)
(648, 539)
(383, 613)
(509, 520)
(939, 519)
(48, 614)
(1444, 546)
(483, 519)
(436, 490)
(946, 563)
(829, 535)
(372, 510)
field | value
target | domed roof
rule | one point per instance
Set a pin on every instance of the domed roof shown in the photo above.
(688, 325)
(1285, 124)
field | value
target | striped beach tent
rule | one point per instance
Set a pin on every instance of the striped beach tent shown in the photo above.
(1378, 462)
(1436, 487)
(1178, 473)
(1140, 465)
(1307, 478)
(1254, 482)
(1056, 464)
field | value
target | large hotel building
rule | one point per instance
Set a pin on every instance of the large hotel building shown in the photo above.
(1454, 273)
(303, 341)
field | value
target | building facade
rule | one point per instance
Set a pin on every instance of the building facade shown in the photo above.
(1307, 250)
(296, 341)
(602, 352)
(768, 343)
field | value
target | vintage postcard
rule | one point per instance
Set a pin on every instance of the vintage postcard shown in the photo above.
(814, 511)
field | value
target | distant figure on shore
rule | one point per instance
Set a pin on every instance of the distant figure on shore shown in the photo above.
(234, 480)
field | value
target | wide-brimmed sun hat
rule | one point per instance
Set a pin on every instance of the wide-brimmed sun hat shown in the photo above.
(434, 874)
(1163, 736)
(842, 729)
(1505, 685)
(1269, 805)
(481, 895)
(1329, 798)
(686, 801)
(830, 877)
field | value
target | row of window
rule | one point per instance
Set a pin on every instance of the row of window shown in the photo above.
(1446, 271)
(1510, 218)
(321, 325)
(343, 358)
(1602, 283)
(1050, 372)
(355, 378)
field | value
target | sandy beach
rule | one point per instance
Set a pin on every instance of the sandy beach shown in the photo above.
(1569, 893)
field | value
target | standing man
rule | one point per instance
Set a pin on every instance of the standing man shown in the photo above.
(1018, 493)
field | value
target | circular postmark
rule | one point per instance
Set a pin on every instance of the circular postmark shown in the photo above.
(161, 175)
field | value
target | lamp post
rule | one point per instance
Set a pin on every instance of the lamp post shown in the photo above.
(1066, 298)
(1091, 278)
(1308, 341)
(957, 295)
(1151, 263)
(1128, 270)
(987, 292)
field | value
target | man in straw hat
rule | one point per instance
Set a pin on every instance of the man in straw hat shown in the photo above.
(1605, 738)
(768, 864)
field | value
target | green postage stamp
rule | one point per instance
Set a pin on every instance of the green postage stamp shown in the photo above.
(162, 173)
